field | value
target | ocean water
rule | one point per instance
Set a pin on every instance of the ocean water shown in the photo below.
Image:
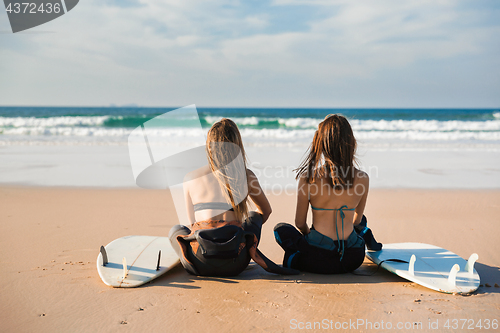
(374, 128)
(398, 148)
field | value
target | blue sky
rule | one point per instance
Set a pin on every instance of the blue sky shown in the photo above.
(280, 53)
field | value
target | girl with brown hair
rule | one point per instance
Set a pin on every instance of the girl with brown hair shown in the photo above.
(223, 234)
(337, 193)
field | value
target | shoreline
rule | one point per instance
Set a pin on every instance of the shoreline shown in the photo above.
(268, 191)
(109, 166)
(52, 238)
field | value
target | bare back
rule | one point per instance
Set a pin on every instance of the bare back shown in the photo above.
(327, 201)
(201, 186)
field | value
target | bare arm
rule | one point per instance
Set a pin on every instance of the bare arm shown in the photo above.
(302, 206)
(258, 196)
(364, 184)
(189, 204)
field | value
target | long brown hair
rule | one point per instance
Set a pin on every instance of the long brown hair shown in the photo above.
(331, 154)
(220, 154)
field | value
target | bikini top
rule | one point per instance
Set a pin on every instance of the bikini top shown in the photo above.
(342, 216)
(212, 205)
(341, 209)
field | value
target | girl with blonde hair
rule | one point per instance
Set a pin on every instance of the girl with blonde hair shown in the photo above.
(224, 234)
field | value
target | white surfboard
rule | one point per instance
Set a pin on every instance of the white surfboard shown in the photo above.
(134, 260)
(430, 266)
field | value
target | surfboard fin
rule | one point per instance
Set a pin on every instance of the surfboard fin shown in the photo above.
(124, 261)
(158, 264)
(411, 267)
(104, 256)
(452, 278)
(469, 266)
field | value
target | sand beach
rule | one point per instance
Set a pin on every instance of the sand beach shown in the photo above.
(51, 238)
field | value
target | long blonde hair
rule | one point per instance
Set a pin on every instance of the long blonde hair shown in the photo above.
(220, 155)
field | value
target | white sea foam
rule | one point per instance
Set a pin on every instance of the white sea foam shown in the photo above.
(283, 122)
(295, 131)
(287, 123)
(425, 125)
(52, 121)
(380, 125)
(238, 120)
(262, 134)
(427, 136)
(300, 122)
(100, 132)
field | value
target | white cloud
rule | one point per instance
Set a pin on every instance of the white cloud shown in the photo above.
(183, 52)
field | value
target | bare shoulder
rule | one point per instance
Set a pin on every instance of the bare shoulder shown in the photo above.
(303, 180)
(362, 177)
(251, 175)
(303, 185)
(254, 187)
(252, 179)
(197, 173)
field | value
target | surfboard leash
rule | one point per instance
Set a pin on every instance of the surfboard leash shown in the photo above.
(378, 266)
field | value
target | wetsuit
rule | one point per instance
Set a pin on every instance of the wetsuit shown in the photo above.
(221, 248)
(318, 253)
